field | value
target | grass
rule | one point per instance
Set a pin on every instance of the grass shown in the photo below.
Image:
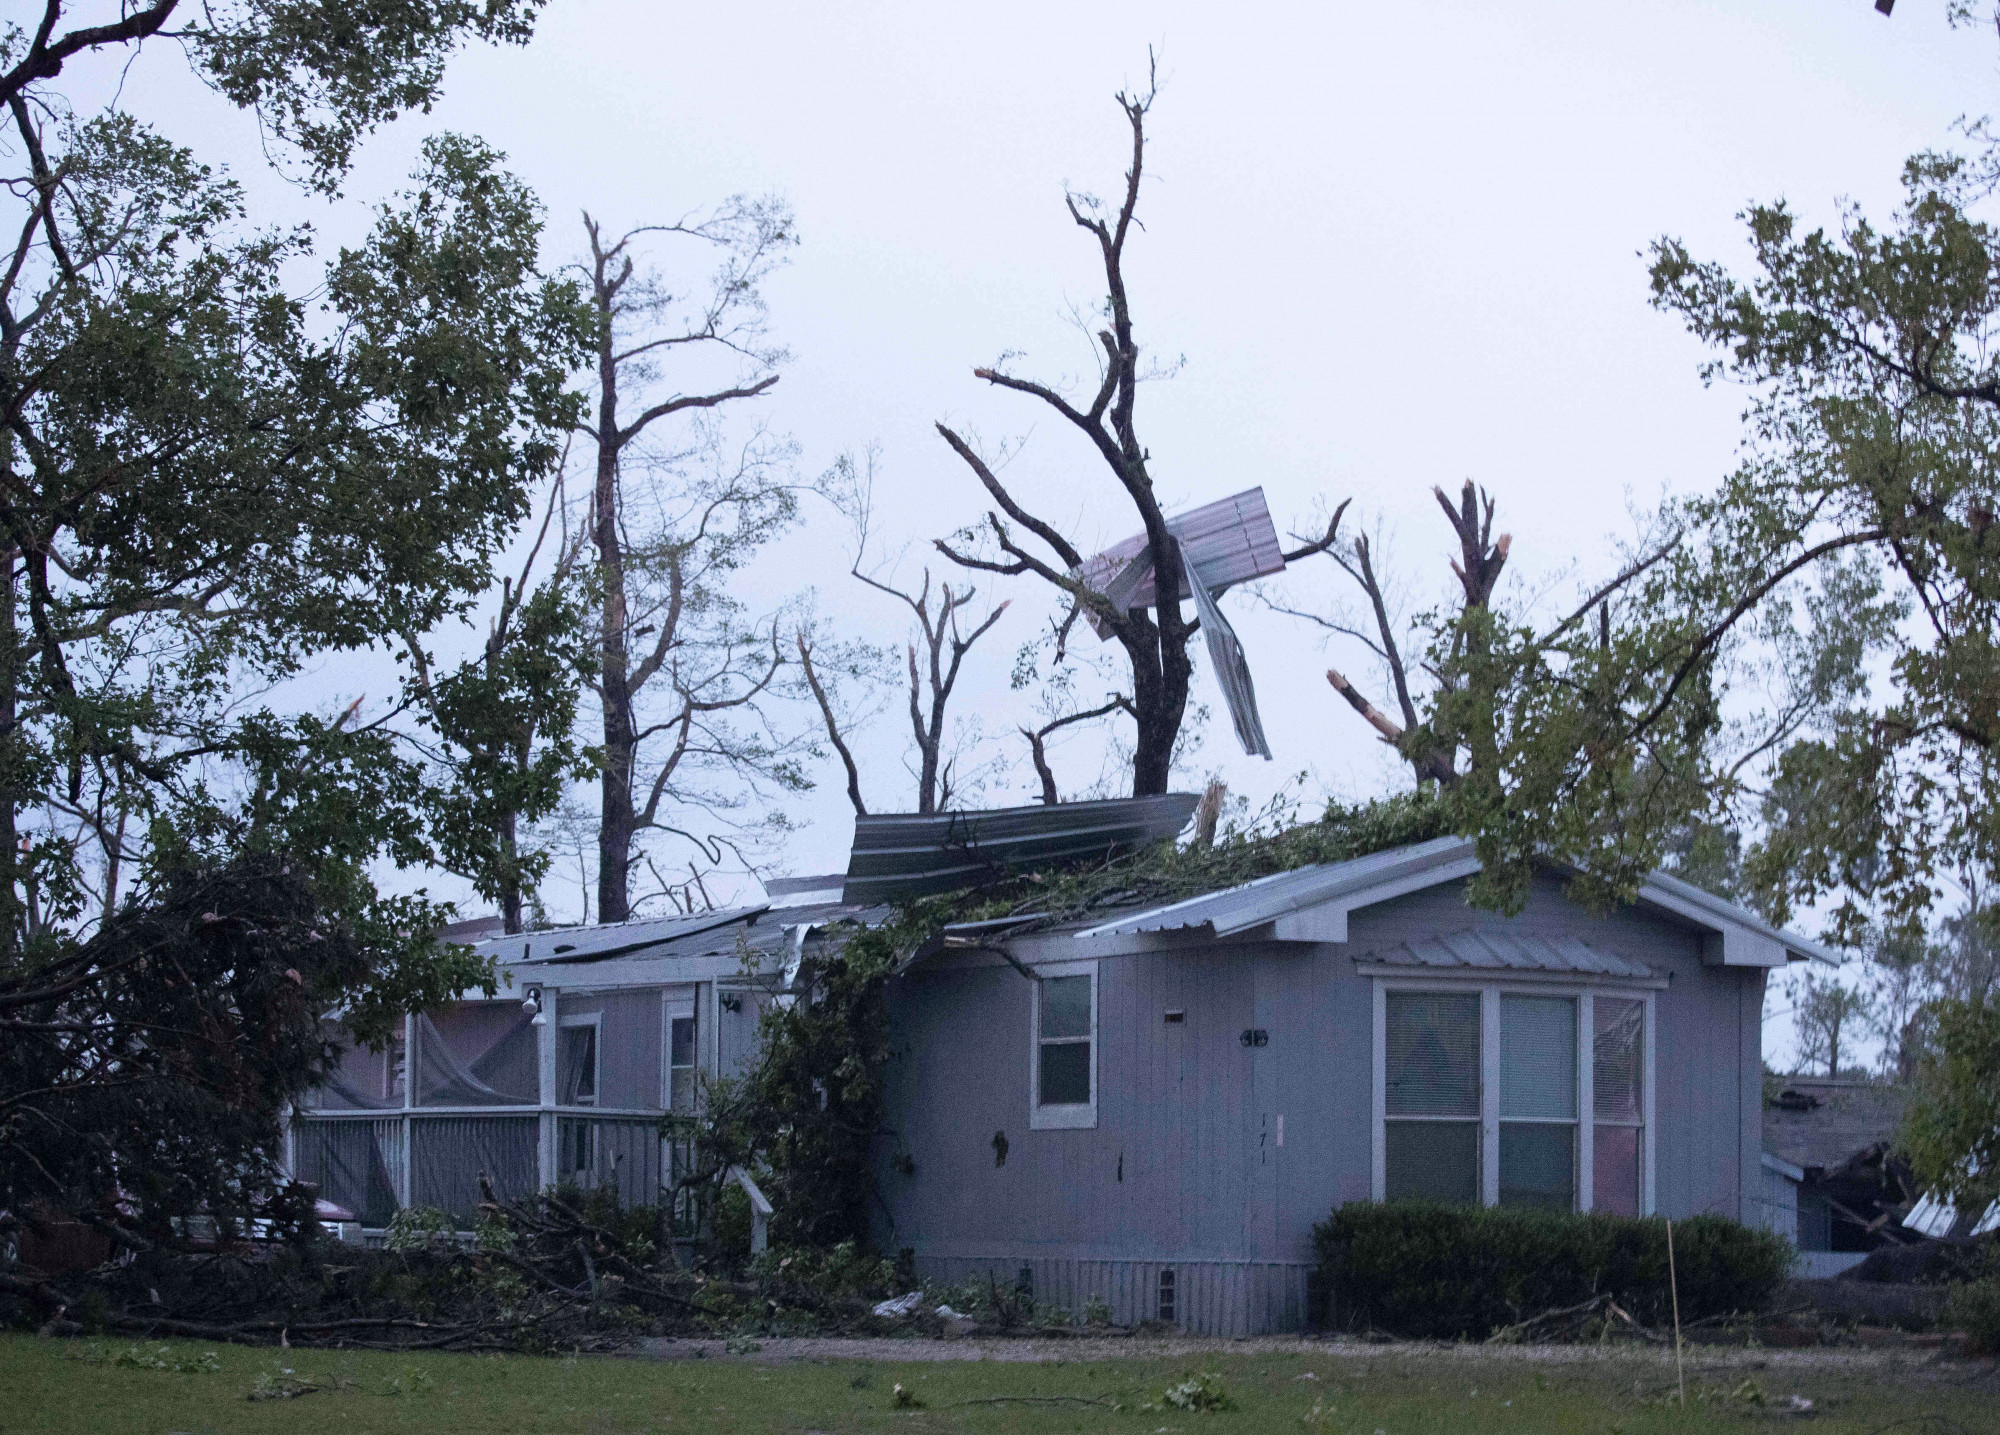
(152, 1389)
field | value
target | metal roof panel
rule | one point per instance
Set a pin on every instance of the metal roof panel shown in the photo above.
(1472, 950)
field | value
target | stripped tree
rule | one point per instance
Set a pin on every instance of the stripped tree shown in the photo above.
(1157, 647)
(682, 672)
(934, 658)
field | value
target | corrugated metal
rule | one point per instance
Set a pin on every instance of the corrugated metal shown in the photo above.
(1232, 671)
(1227, 542)
(1215, 1298)
(903, 854)
(562, 946)
(1252, 904)
(1513, 950)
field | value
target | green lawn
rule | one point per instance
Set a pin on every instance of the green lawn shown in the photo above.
(117, 1386)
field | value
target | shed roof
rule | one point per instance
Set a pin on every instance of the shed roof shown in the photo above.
(1505, 950)
(1835, 1120)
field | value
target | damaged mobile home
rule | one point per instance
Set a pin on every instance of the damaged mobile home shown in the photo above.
(1149, 1106)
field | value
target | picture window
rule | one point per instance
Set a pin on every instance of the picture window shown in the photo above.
(1450, 1105)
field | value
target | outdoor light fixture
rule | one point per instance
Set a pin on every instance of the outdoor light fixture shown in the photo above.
(532, 1005)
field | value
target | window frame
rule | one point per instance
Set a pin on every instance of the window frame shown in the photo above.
(1070, 1116)
(595, 1020)
(1490, 986)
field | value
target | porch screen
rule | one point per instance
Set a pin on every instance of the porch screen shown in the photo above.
(349, 1161)
(449, 1153)
(1431, 1065)
(1618, 1073)
(362, 1080)
(478, 1055)
(1538, 1102)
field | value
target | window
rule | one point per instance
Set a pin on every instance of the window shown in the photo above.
(576, 1062)
(680, 1062)
(1618, 1069)
(1065, 1048)
(1431, 1136)
(1512, 1095)
(1167, 1294)
(1538, 1102)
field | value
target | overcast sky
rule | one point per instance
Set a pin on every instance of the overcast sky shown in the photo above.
(1398, 245)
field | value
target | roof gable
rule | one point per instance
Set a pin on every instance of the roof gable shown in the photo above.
(1312, 904)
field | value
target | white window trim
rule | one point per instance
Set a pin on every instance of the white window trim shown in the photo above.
(1490, 991)
(591, 1019)
(1079, 1116)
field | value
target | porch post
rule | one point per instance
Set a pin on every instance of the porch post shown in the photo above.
(708, 1027)
(545, 1053)
(403, 1167)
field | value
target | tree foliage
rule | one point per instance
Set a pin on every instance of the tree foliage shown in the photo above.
(1951, 1132)
(216, 478)
(1869, 482)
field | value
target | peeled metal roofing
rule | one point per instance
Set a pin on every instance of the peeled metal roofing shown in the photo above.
(1237, 909)
(904, 854)
(614, 939)
(1227, 542)
(1505, 950)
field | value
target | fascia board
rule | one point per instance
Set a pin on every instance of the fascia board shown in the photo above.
(1783, 1167)
(1260, 902)
(615, 974)
(1746, 941)
(1331, 912)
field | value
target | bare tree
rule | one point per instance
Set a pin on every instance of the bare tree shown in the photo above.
(934, 658)
(1038, 740)
(1478, 567)
(682, 671)
(1157, 648)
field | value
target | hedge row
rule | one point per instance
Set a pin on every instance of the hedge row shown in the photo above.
(1456, 1272)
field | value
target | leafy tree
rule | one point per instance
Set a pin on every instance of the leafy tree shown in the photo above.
(505, 728)
(214, 479)
(1952, 1130)
(320, 74)
(1875, 411)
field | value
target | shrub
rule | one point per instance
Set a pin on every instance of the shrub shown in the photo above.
(1974, 1308)
(1453, 1272)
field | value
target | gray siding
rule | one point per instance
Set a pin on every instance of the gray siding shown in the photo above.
(1184, 1164)
(628, 1039)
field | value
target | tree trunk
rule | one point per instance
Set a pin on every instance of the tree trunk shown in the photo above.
(510, 876)
(10, 902)
(617, 821)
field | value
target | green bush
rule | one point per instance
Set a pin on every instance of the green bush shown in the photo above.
(1452, 1272)
(1974, 1308)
